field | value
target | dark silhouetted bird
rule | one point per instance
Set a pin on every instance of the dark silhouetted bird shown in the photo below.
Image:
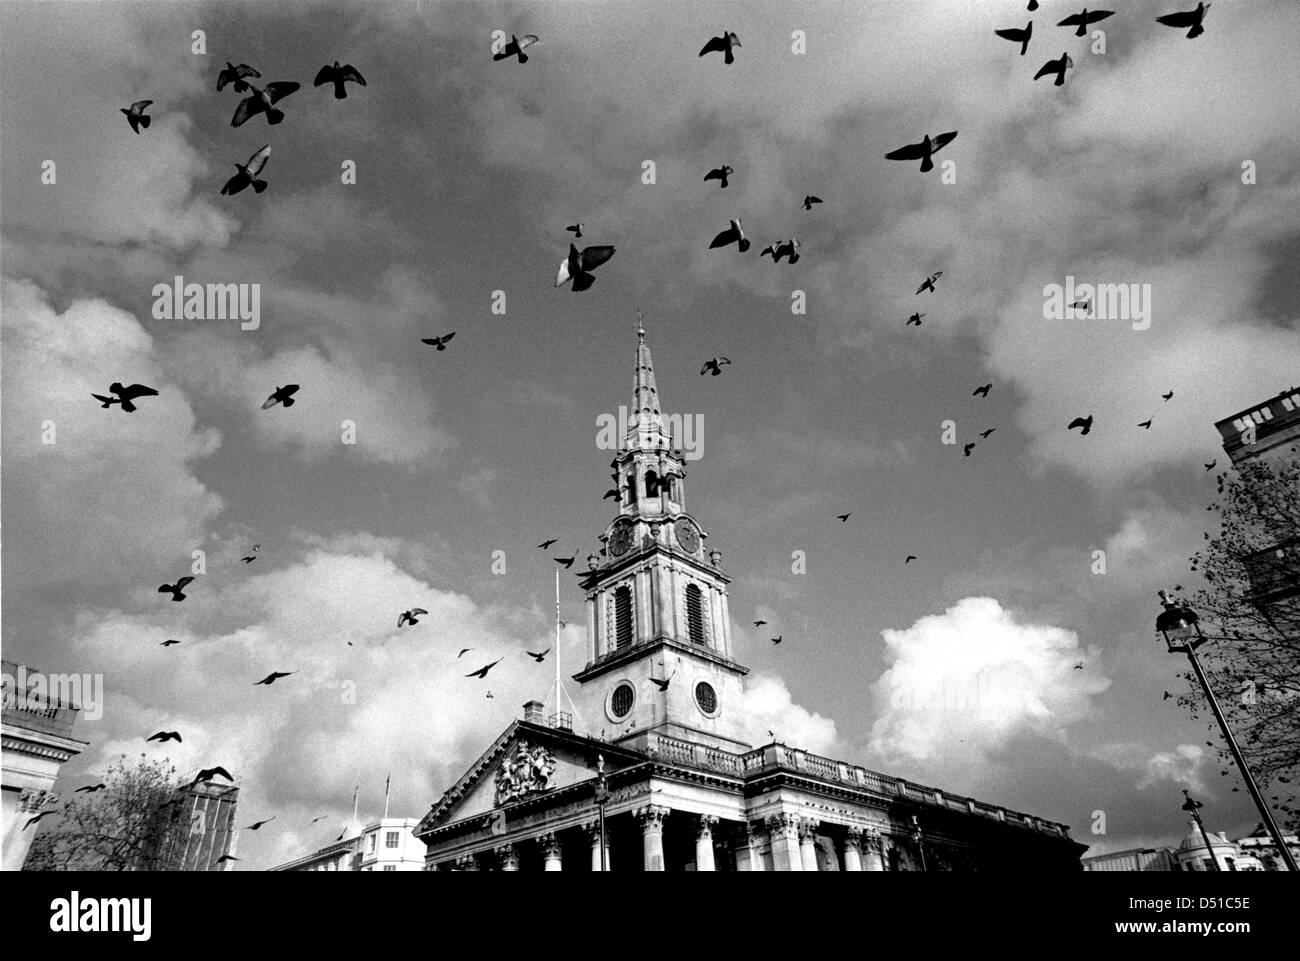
(281, 395)
(338, 75)
(411, 617)
(168, 643)
(90, 788)
(723, 45)
(732, 235)
(982, 391)
(1210, 465)
(844, 517)
(315, 819)
(714, 366)
(778, 640)
(759, 623)
(1083, 423)
(516, 48)
(928, 283)
(782, 248)
(226, 857)
(1079, 666)
(1168, 396)
(662, 684)
(1146, 424)
(575, 229)
(909, 558)
(614, 493)
(1083, 19)
(566, 561)
(235, 75)
(924, 150)
(1033, 5)
(1016, 35)
(547, 543)
(809, 200)
(439, 342)
(968, 448)
(1083, 305)
(538, 657)
(483, 671)
(124, 395)
(248, 558)
(463, 652)
(1058, 67)
(273, 677)
(914, 320)
(208, 773)
(1167, 696)
(176, 590)
(162, 736)
(135, 115)
(32, 820)
(1187, 18)
(720, 174)
(257, 824)
(262, 100)
(577, 267)
(247, 175)
(985, 433)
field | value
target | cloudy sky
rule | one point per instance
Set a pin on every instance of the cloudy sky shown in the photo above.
(467, 172)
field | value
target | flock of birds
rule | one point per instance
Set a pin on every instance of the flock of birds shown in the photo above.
(575, 270)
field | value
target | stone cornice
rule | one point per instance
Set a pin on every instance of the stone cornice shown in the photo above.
(637, 651)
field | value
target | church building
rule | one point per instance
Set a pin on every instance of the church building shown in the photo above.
(672, 783)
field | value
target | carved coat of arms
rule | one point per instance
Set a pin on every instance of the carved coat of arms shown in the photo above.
(528, 771)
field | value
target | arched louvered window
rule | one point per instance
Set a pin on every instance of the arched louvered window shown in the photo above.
(651, 484)
(631, 488)
(695, 613)
(622, 617)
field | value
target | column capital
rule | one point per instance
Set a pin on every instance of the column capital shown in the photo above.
(853, 835)
(592, 830)
(808, 827)
(704, 825)
(783, 825)
(549, 843)
(467, 862)
(507, 857)
(652, 816)
(871, 840)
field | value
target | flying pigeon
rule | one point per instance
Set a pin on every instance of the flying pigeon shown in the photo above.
(714, 366)
(1079, 666)
(257, 824)
(1083, 423)
(1018, 36)
(176, 590)
(1083, 305)
(163, 736)
(662, 684)
(1146, 424)
(168, 643)
(759, 623)
(914, 320)
(778, 640)
(136, 116)
(411, 617)
(32, 820)
(968, 448)
(577, 267)
(924, 150)
(982, 391)
(545, 544)
(985, 433)
(439, 342)
(463, 652)
(262, 101)
(566, 561)
(282, 395)
(1210, 465)
(226, 857)
(909, 558)
(614, 493)
(208, 773)
(273, 677)
(516, 48)
(247, 175)
(928, 283)
(782, 248)
(723, 45)
(1058, 67)
(538, 657)
(124, 395)
(236, 75)
(1083, 19)
(483, 671)
(338, 76)
(91, 788)
(719, 173)
(1168, 396)
(844, 517)
(732, 235)
(248, 558)
(1187, 18)
(1167, 696)
(575, 229)
(809, 200)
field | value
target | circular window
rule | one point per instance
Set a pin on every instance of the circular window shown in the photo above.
(706, 698)
(621, 701)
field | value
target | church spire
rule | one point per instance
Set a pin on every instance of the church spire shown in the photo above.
(645, 426)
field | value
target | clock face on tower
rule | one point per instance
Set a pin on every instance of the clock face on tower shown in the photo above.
(687, 536)
(620, 539)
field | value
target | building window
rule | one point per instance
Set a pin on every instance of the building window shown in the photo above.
(391, 839)
(621, 701)
(370, 844)
(390, 867)
(622, 617)
(706, 698)
(631, 488)
(695, 613)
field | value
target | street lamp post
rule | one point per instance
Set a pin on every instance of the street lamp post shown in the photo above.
(1193, 808)
(1183, 635)
(602, 796)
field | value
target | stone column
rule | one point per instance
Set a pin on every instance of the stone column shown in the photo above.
(704, 826)
(784, 829)
(507, 857)
(747, 859)
(550, 845)
(652, 817)
(872, 844)
(852, 843)
(592, 829)
(808, 842)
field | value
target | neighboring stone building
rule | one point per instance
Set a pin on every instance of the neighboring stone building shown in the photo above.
(1136, 859)
(388, 844)
(1259, 844)
(662, 691)
(209, 810)
(38, 739)
(1275, 425)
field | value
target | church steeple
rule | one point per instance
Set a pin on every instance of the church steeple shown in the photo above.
(657, 597)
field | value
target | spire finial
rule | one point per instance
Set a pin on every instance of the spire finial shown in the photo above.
(640, 325)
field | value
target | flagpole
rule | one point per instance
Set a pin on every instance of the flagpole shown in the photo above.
(387, 783)
(557, 647)
(356, 791)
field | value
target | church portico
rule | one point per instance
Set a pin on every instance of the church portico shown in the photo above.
(663, 769)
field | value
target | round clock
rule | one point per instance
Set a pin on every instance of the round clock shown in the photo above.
(620, 540)
(687, 536)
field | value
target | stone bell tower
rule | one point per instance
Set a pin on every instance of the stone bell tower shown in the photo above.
(657, 601)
